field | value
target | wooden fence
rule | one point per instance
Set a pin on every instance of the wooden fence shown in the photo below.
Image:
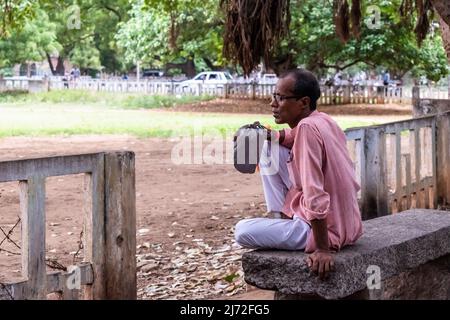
(330, 94)
(399, 164)
(109, 267)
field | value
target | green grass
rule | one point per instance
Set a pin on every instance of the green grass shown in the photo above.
(82, 113)
(105, 99)
(46, 120)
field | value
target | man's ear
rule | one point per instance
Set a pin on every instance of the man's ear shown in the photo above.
(306, 101)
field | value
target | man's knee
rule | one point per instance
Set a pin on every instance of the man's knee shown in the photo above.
(243, 233)
(240, 231)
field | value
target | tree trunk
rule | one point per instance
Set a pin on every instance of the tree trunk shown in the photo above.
(442, 8)
(50, 63)
(445, 33)
(281, 64)
(188, 67)
(211, 65)
(60, 69)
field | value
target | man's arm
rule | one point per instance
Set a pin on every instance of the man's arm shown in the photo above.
(321, 261)
(315, 201)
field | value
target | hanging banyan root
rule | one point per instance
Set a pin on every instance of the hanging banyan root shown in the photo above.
(347, 21)
(253, 28)
(424, 17)
(355, 15)
(342, 19)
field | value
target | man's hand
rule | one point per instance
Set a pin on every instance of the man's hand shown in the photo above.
(321, 262)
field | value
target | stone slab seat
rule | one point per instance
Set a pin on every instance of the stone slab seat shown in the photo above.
(411, 248)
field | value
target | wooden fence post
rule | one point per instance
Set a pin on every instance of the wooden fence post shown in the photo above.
(94, 228)
(120, 200)
(226, 87)
(381, 94)
(32, 205)
(347, 94)
(417, 110)
(443, 156)
(375, 197)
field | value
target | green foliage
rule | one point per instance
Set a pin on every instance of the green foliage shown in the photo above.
(231, 277)
(13, 96)
(86, 55)
(6, 72)
(143, 46)
(393, 46)
(432, 60)
(159, 32)
(115, 34)
(31, 42)
(14, 13)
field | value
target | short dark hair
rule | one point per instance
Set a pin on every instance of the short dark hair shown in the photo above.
(306, 85)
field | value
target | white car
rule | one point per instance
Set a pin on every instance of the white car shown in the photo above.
(269, 78)
(207, 81)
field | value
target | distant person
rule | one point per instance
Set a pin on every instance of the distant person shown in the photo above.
(329, 81)
(65, 80)
(337, 79)
(386, 78)
(77, 73)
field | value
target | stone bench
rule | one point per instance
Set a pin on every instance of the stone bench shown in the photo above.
(411, 251)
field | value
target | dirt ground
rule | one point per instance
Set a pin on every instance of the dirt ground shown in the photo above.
(263, 107)
(185, 214)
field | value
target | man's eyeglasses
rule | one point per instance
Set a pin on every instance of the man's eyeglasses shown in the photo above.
(280, 98)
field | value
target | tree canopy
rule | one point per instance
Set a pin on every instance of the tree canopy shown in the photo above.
(188, 36)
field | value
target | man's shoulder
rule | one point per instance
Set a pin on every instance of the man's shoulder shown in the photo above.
(322, 123)
(317, 118)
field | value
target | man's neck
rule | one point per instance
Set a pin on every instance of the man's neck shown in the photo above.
(300, 118)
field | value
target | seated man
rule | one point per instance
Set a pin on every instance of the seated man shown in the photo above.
(314, 187)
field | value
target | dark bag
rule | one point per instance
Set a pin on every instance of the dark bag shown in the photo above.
(248, 143)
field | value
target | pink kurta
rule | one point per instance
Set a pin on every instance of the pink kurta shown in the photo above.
(323, 178)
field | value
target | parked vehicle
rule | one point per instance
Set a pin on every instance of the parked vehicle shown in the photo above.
(151, 73)
(209, 80)
(269, 78)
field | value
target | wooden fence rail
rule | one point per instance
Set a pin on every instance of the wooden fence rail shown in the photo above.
(399, 164)
(109, 230)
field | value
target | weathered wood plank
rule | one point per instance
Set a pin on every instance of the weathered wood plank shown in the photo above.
(443, 159)
(51, 166)
(56, 282)
(375, 197)
(408, 186)
(434, 194)
(390, 166)
(32, 206)
(398, 166)
(94, 228)
(418, 165)
(120, 199)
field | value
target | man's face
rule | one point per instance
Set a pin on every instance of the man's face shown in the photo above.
(290, 110)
